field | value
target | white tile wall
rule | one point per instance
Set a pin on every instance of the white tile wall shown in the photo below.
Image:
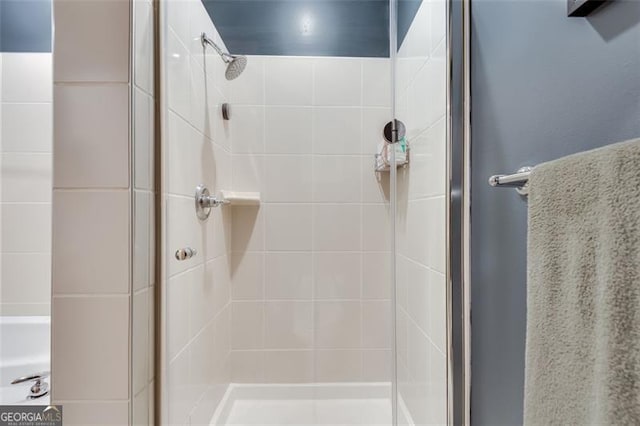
(299, 298)
(421, 325)
(25, 183)
(83, 53)
(86, 128)
(197, 146)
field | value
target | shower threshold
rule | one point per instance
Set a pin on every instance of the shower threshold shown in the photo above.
(305, 404)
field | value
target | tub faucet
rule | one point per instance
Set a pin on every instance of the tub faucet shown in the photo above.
(40, 387)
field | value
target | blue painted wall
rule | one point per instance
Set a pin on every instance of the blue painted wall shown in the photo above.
(357, 28)
(543, 86)
(25, 25)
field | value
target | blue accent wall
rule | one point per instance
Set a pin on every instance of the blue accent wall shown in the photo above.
(25, 25)
(543, 86)
(356, 28)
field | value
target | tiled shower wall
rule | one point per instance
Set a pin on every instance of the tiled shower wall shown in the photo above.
(26, 183)
(310, 267)
(197, 147)
(421, 224)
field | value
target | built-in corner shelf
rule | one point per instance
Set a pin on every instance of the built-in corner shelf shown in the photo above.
(235, 198)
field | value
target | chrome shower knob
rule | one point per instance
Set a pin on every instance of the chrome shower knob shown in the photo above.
(205, 201)
(185, 253)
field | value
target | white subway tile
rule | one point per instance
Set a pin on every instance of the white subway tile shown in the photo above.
(26, 77)
(182, 395)
(18, 132)
(288, 366)
(26, 177)
(338, 325)
(142, 247)
(288, 276)
(178, 76)
(376, 275)
(337, 81)
(201, 362)
(288, 227)
(247, 129)
(91, 126)
(336, 130)
(201, 289)
(139, 341)
(288, 179)
(437, 309)
(247, 325)
(336, 227)
(288, 81)
(288, 130)
(337, 179)
(26, 228)
(376, 324)
(376, 223)
(178, 16)
(247, 276)
(337, 275)
(178, 310)
(247, 366)
(377, 365)
(338, 366)
(140, 406)
(143, 141)
(90, 259)
(288, 325)
(143, 33)
(26, 278)
(376, 82)
(191, 158)
(81, 56)
(97, 328)
(248, 173)
(248, 228)
(218, 277)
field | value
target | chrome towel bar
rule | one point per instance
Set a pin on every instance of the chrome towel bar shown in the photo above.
(518, 180)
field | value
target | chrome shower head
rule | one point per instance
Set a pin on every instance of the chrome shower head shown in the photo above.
(235, 67)
(235, 64)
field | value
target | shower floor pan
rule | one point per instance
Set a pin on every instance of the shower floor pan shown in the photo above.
(305, 404)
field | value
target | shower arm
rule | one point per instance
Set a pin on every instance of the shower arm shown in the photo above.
(207, 41)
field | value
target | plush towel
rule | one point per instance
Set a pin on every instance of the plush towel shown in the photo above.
(583, 296)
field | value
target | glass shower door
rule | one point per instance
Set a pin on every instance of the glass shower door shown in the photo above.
(420, 252)
(278, 295)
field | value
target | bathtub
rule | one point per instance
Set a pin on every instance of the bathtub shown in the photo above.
(24, 349)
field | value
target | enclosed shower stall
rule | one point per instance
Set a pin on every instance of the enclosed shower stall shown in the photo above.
(304, 164)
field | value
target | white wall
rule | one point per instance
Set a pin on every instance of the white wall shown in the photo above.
(25, 183)
(421, 224)
(310, 267)
(197, 150)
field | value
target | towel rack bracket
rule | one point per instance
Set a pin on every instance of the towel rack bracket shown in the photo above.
(518, 180)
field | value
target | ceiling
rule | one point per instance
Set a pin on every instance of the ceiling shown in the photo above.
(355, 28)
